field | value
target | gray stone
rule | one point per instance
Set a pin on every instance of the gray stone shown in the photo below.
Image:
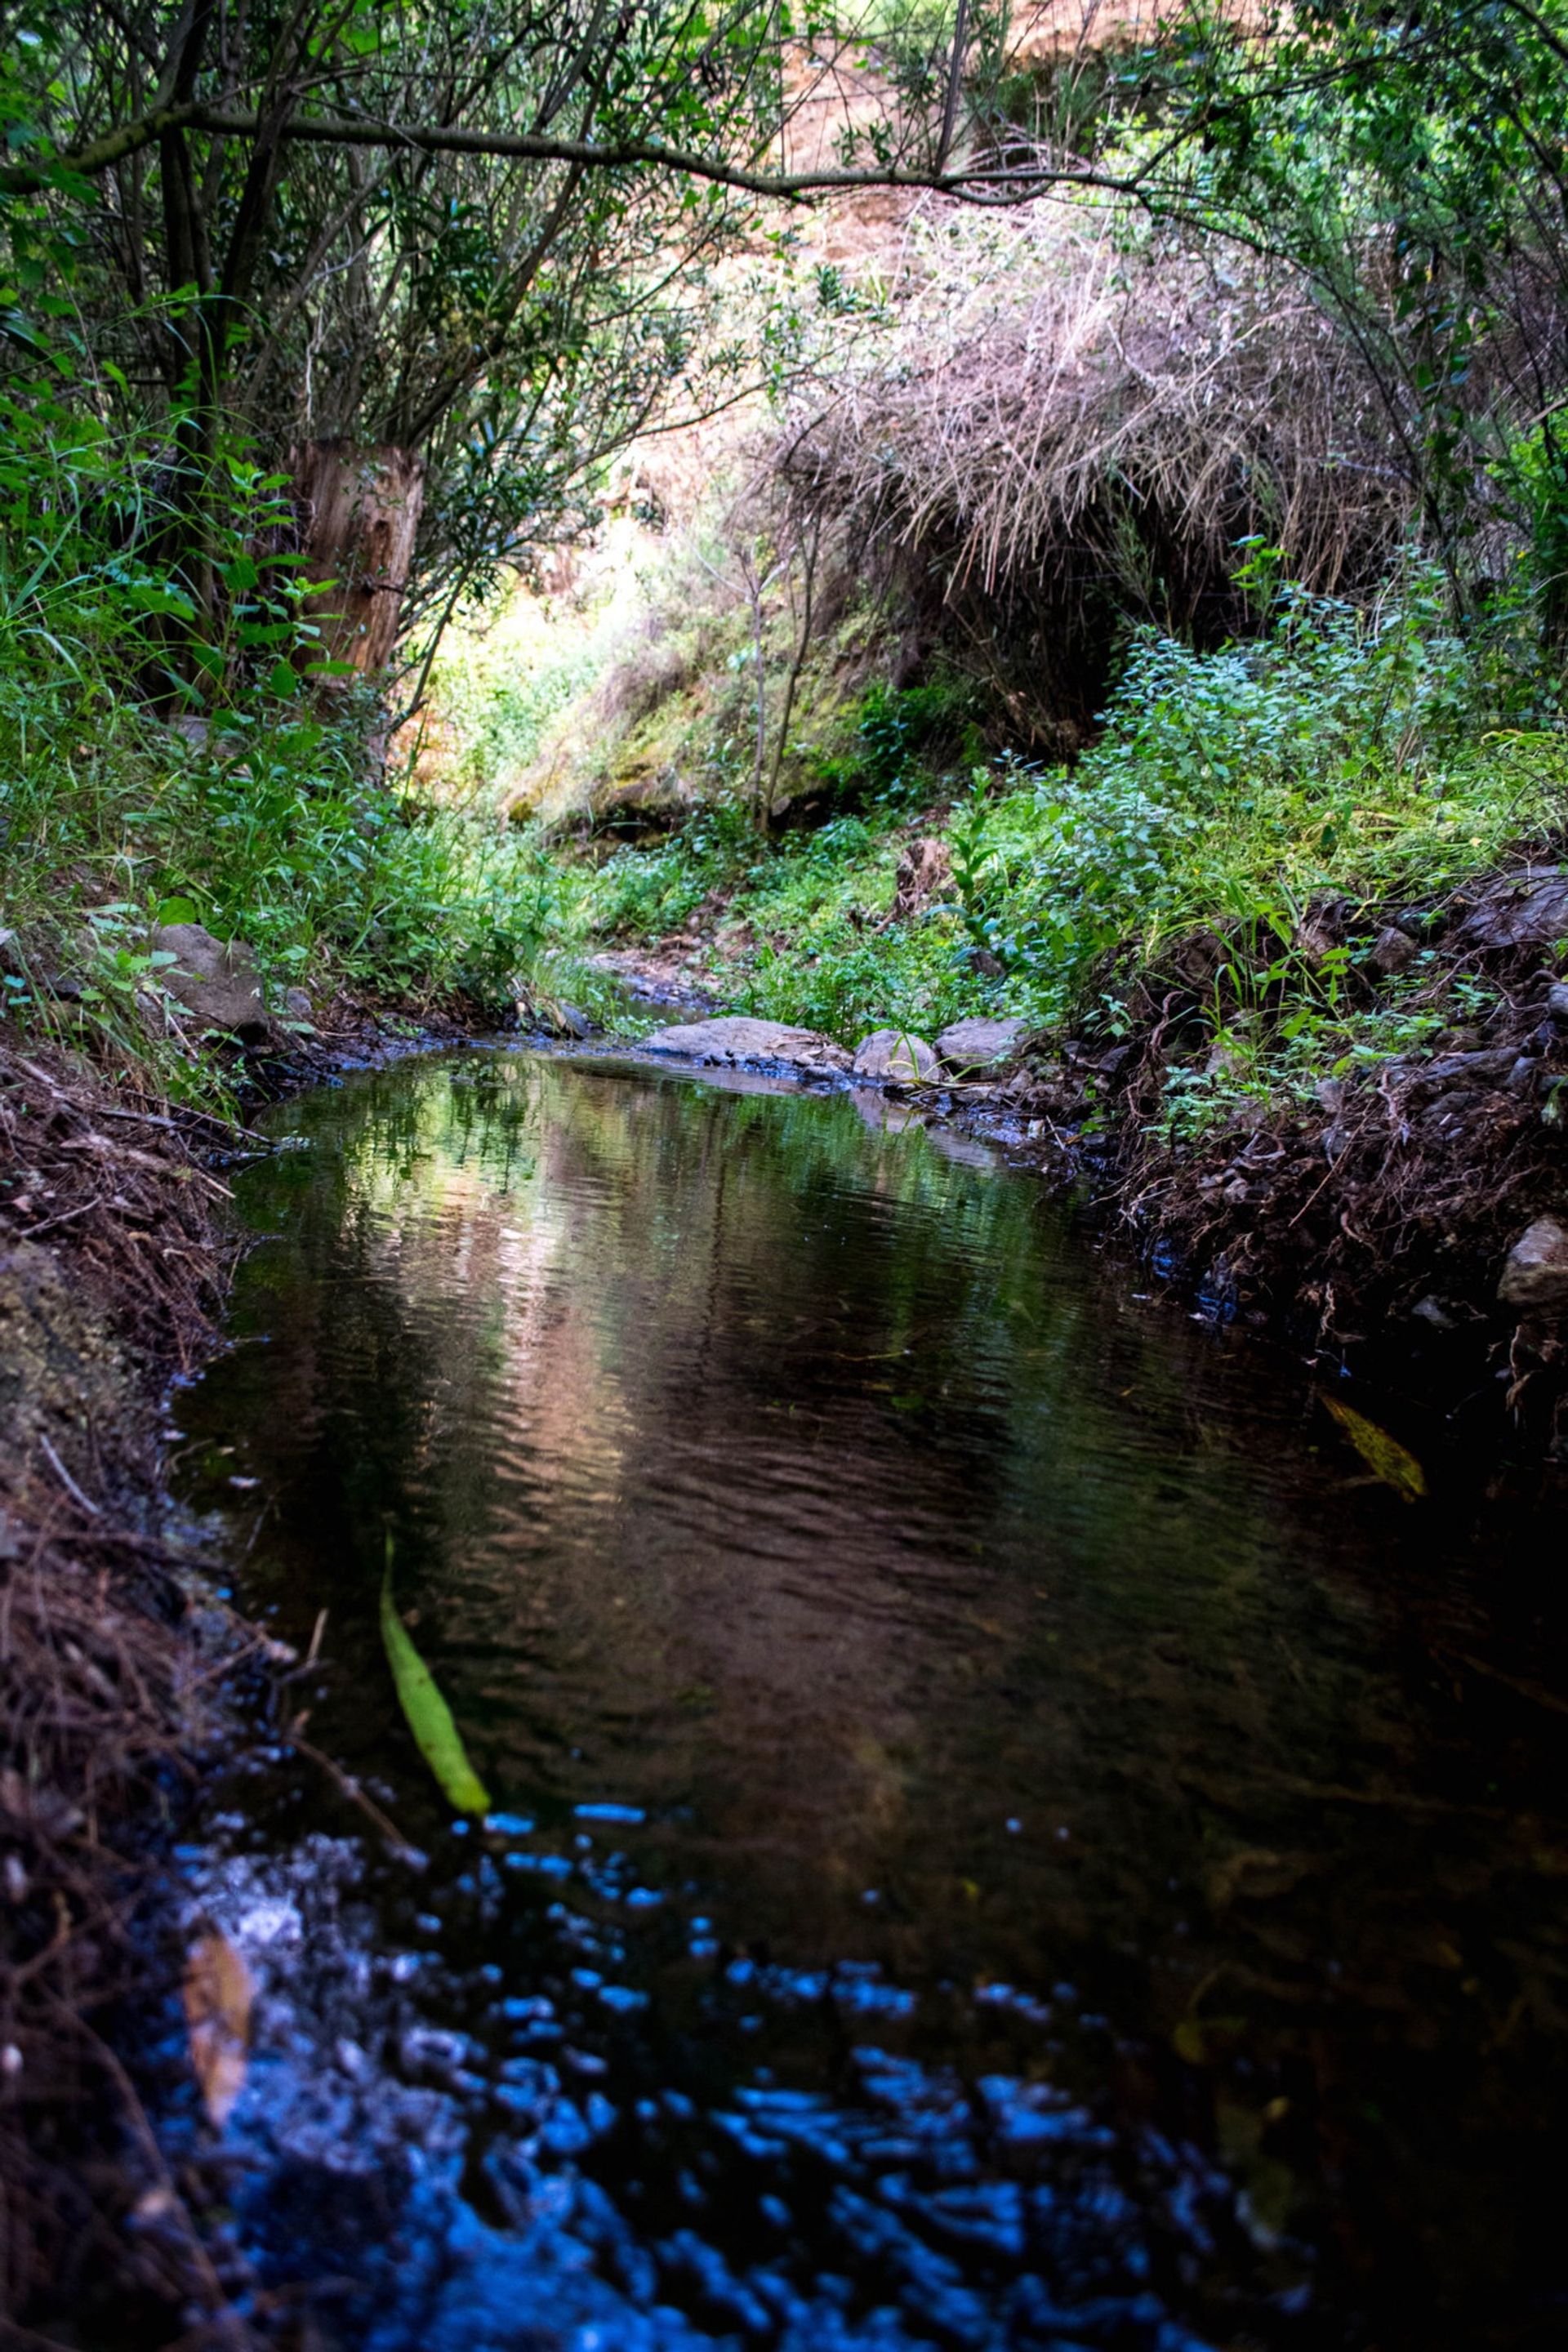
(1394, 950)
(735, 1037)
(894, 1054)
(979, 1044)
(1536, 1273)
(219, 986)
(1523, 910)
(1490, 1066)
(298, 1007)
(1557, 1000)
(554, 1018)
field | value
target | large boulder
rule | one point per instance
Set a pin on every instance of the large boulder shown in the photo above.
(1536, 1272)
(218, 985)
(894, 1054)
(735, 1037)
(978, 1044)
(1523, 910)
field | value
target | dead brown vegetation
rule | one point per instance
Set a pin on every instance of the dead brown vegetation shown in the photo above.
(1060, 434)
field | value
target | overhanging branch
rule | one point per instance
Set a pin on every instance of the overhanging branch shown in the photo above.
(999, 182)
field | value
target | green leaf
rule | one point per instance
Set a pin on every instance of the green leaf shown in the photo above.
(282, 680)
(177, 910)
(429, 1716)
(1383, 1455)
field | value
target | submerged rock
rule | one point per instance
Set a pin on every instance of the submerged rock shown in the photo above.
(1536, 1272)
(735, 1037)
(894, 1054)
(219, 985)
(977, 1045)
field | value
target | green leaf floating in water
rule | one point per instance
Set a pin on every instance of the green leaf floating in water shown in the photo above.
(1383, 1455)
(429, 1716)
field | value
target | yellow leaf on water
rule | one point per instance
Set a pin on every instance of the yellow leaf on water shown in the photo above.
(1383, 1455)
(429, 1716)
(217, 1993)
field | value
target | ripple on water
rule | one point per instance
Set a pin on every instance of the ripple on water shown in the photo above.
(998, 1840)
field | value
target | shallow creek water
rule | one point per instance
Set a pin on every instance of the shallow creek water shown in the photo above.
(1001, 1837)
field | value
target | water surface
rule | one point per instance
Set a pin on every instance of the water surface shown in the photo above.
(1001, 1836)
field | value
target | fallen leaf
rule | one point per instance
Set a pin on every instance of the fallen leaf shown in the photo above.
(429, 1716)
(217, 1993)
(1383, 1455)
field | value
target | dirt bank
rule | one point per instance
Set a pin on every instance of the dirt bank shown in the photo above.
(116, 1659)
(1377, 1225)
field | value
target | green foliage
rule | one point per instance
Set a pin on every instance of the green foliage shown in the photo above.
(1376, 757)
(253, 807)
(1346, 752)
(1410, 164)
(896, 731)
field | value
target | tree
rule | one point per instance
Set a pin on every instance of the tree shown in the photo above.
(479, 238)
(1410, 162)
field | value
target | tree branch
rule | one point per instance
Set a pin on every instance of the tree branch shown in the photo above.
(999, 182)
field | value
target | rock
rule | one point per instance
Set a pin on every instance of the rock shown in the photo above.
(1394, 950)
(735, 1037)
(556, 1019)
(1432, 1310)
(1522, 910)
(1536, 1272)
(925, 868)
(1557, 1001)
(298, 1007)
(893, 1053)
(1322, 926)
(978, 1044)
(219, 986)
(1490, 1067)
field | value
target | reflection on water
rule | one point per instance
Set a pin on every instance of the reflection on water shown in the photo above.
(1001, 1840)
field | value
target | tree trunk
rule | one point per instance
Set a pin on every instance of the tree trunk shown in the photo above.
(359, 510)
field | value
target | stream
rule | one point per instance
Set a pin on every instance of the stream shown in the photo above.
(1002, 1834)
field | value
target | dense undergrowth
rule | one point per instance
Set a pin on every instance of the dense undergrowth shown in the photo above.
(249, 798)
(1287, 797)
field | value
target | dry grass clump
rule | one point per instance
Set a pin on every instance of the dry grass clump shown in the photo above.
(1066, 424)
